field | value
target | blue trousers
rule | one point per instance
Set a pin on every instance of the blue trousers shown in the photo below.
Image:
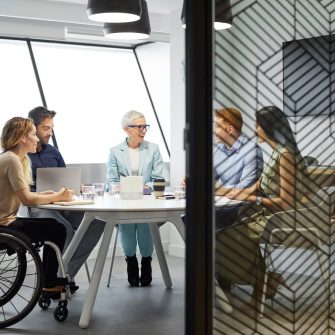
(131, 234)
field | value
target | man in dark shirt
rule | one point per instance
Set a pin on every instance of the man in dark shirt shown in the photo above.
(49, 156)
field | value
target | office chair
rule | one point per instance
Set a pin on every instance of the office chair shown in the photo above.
(307, 228)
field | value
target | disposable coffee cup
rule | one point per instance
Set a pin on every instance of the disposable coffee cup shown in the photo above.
(159, 187)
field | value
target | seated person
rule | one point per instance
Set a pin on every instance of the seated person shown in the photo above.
(17, 139)
(280, 187)
(238, 161)
(48, 156)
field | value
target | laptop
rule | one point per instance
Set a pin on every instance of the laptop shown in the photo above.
(58, 177)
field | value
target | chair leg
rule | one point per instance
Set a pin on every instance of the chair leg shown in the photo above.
(113, 256)
(325, 273)
(267, 260)
(87, 272)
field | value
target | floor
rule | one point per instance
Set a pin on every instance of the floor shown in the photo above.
(303, 307)
(119, 309)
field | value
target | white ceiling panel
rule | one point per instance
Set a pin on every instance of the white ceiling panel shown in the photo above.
(155, 6)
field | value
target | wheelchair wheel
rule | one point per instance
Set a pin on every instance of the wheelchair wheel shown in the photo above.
(21, 277)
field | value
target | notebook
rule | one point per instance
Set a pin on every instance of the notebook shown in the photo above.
(56, 178)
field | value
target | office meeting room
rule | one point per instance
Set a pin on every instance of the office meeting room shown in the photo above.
(167, 167)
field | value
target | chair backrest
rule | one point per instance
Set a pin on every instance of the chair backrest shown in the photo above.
(309, 160)
(298, 227)
(324, 197)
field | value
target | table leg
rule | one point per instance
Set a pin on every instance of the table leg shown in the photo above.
(160, 254)
(96, 275)
(179, 224)
(87, 219)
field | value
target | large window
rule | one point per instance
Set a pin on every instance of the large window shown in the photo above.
(90, 88)
(18, 87)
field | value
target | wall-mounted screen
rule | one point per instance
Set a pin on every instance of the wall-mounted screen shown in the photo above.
(309, 76)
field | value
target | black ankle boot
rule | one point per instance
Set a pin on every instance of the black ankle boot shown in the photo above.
(132, 270)
(146, 271)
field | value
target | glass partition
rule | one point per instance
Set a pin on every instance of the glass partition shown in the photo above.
(274, 265)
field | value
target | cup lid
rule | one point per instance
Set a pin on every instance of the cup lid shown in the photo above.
(160, 180)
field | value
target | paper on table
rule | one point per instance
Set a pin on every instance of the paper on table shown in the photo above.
(76, 201)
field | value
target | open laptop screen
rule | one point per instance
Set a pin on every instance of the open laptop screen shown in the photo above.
(58, 177)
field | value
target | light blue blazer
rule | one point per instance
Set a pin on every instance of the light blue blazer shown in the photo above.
(150, 162)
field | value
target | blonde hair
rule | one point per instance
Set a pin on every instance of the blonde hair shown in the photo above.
(12, 133)
(231, 116)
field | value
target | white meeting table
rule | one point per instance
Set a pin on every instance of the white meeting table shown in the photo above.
(113, 211)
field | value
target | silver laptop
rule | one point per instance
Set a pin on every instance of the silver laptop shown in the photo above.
(58, 177)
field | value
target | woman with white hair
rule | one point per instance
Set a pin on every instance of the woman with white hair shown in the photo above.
(136, 157)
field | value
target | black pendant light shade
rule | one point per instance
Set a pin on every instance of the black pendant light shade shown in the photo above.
(223, 15)
(114, 10)
(182, 18)
(131, 30)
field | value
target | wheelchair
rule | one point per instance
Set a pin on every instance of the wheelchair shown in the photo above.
(22, 278)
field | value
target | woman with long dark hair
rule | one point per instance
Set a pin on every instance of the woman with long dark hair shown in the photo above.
(279, 188)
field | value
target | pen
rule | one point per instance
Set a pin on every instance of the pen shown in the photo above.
(121, 174)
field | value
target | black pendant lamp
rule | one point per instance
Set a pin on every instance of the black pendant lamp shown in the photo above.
(223, 15)
(114, 10)
(131, 30)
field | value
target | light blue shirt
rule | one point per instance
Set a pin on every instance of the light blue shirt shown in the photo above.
(239, 166)
(150, 162)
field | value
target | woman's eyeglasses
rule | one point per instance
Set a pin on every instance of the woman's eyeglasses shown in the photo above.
(140, 127)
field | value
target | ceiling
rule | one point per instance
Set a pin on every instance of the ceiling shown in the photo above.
(155, 6)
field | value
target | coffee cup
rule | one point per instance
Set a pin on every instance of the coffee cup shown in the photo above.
(159, 187)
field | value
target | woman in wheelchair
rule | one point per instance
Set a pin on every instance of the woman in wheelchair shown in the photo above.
(17, 139)
(280, 187)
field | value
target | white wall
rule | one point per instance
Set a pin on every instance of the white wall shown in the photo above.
(177, 165)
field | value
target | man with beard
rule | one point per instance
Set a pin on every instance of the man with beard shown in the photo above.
(49, 156)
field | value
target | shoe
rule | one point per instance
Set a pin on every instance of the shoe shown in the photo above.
(73, 287)
(132, 271)
(146, 271)
(274, 281)
(224, 284)
(52, 283)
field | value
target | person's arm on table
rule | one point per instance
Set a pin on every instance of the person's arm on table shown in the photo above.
(28, 198)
